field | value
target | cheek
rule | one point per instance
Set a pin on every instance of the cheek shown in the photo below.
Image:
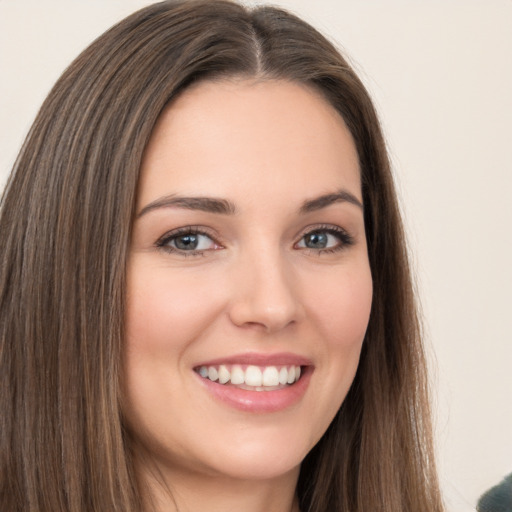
(341, 315)
(339, 308)
(342, 310)
(166, 310)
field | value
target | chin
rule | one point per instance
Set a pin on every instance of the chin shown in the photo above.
(258, 469)
(262, 455)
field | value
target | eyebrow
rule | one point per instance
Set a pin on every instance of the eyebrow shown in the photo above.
(225, 207)
(204, 204)
(342, 196)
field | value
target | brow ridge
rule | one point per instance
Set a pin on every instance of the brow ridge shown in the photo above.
(320, 202)
(205, 204)
(225, 207)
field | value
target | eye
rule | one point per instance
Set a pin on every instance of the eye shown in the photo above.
(328, 239)
(187, 240)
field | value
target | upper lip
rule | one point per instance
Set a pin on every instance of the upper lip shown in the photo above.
(260, 359)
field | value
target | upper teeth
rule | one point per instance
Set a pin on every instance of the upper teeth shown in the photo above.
(255, 376)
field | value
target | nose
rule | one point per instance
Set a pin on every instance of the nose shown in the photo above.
(265, 294)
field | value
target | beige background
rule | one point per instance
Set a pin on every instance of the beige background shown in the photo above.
(441, 75)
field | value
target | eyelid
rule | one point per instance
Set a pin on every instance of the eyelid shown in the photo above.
(346, 239)
(162, 242)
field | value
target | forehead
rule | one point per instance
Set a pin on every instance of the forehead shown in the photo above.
(265, 134)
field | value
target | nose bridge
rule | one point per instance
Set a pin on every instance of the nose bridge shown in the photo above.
(265, 292)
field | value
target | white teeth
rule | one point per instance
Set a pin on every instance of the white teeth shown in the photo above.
(213, 374)
(260, 378)
(253, 376)
(237, 375)
(270, 376)
(224, 374)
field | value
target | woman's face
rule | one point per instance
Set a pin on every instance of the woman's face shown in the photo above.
(248, 265)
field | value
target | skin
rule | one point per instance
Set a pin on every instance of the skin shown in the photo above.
(257, 286)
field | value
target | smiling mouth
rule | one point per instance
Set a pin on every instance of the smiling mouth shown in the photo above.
(251, 377)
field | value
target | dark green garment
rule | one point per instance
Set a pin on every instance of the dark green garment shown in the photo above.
(498, 498)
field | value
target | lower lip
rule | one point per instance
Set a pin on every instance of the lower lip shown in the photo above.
(260, 401)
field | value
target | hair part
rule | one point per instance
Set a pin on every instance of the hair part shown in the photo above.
(65, 223)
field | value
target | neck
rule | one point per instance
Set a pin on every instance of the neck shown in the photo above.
(195, 493)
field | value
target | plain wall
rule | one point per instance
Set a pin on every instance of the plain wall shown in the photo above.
(441, 75)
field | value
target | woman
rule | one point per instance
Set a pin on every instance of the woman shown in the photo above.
(206, 299)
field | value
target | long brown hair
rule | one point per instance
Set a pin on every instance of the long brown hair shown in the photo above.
(65, 225)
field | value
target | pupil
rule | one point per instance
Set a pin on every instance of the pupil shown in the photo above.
(316, 240)
(186, 242)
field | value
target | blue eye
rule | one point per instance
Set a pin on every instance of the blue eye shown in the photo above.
(187, 240)
(330, 239)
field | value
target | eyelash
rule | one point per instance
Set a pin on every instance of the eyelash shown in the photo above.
(345, 240)
(162, 243)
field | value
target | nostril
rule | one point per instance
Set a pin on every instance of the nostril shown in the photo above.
(263, 320)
